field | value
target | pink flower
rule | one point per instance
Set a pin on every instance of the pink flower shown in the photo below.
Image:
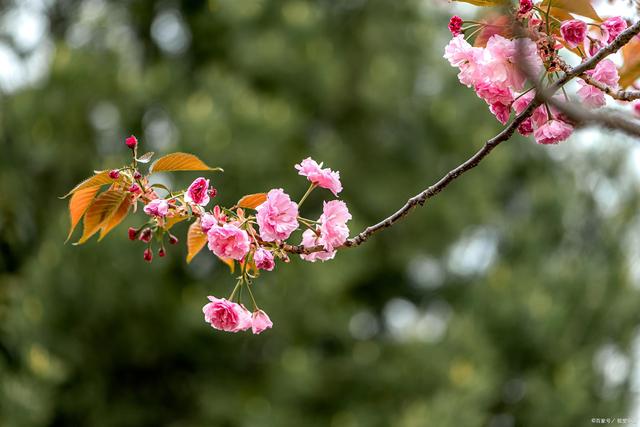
(526, 127)
(525, 7)
(499, 61)
(501, 111)
(131, 142)
(574, 32)
(207, 221)
(228, 241)
(260, 321)
(462, 55)
(226, 315)
(590, 96)
(636, 108)
(157, 207)
(553, 132)
(455, 25)
(493, 93)
(333, 224)
(264, 259)
(612, 27)
(540, 116)
(499, 98)
(277, 217)
(197, 192)
(521, 104)
(325, 178)
(606, 73)
(311, 239)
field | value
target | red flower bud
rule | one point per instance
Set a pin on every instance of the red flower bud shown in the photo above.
(173, 239)
(132, 233)
(213, 192)
(148, 255)
(161, 252)
(137, 175)
(114, 174)
(146, 235)
(131, 142)
(135, 188)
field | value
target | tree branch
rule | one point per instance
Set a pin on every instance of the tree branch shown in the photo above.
(619, 94)
(421, 198)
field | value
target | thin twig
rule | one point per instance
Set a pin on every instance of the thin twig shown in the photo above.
(619, 94)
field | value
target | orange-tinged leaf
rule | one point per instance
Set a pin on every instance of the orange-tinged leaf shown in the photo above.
(97, 180)
(252, 201)
(578, 7)
(100, 212)
(196, 240)
(170, 222)
(485, 2)
(78, 205)
(230, 263)
(180, 162)
(496, 24)
(630, 71)
(119, 215)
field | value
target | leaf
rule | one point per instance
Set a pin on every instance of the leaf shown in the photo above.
(196, 240)
(170, 222)
(496, 24)
(97, 180)
(579, 7)
(230, 263)
(180, 162)
(252, 201)
(145, 157)
(630, 71)
(78, 205)
(485, 2)
(118, 216)
(100, 212)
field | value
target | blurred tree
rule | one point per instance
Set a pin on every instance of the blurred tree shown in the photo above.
(508, 300)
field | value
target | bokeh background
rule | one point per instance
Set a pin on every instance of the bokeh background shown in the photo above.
(511, 299)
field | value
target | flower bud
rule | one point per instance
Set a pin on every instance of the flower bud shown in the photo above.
(135, 188)
(146, 235)
(161, 252)
(172, 239)
(132, 233)
(213, 192)
(132, 142)
(137, 175)
(114, 174)
(148, 255)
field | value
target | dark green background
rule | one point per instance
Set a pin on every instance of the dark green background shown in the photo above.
(494, 305)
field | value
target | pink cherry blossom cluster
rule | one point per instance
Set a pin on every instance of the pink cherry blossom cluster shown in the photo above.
(491, 68)
(252, 236)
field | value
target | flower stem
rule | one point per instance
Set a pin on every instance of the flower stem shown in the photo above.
(255, 306)
(309, 190)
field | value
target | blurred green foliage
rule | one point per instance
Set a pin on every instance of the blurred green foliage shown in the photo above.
(506, 301)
